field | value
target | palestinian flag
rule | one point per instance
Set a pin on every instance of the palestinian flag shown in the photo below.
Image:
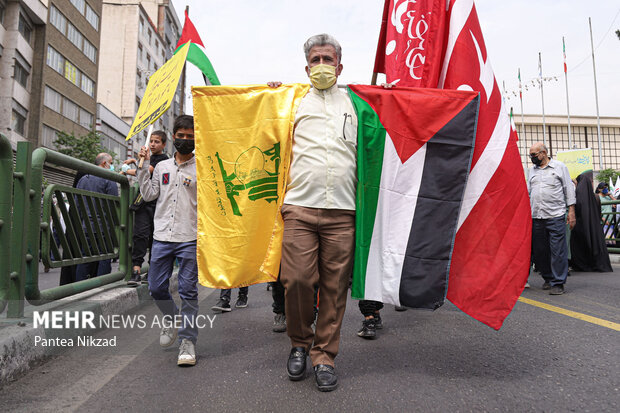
(414, 153)
(196, 53)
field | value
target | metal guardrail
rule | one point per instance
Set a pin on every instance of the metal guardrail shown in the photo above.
(96, 226)
(611, 226)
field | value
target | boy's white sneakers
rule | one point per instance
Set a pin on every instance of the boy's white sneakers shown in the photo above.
(187, 353)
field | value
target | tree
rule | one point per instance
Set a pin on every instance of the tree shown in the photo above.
(605, 174)
(85, 147)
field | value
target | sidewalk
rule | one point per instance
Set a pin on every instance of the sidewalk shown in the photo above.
(17, 352)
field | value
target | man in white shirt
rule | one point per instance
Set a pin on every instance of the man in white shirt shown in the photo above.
(319, 215)
(551, 193)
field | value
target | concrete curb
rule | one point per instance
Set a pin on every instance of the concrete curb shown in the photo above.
(614, 258)
(17, 352)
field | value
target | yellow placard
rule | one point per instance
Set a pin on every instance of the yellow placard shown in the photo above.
(159, 92)
(577, 161)
(243, 148)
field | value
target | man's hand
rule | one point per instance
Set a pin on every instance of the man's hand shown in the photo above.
(570, 219)
(130, 161)
(145, 153)
(274, 84)
(388, 85)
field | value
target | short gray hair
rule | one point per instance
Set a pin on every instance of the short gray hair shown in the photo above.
(322, 39)
(103, 157)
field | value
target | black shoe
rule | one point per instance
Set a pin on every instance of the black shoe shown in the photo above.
(546, 286)
(325, 377)
(557, 290)
(222, 305)
(134, 281)
(296, 365)
(378, 321)
(400, 308)
(279, 323)
(242, 301)
(369, 329)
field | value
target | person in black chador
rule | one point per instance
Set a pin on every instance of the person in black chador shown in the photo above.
(587, 243)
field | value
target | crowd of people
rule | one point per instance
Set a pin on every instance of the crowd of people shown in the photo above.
(309, 297)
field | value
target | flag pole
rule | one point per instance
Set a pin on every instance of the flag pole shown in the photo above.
(598, 119)
(373, 81)
(570, 140)
(542, 97)
(521, 99)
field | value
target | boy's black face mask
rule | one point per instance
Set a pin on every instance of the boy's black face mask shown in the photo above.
(184, 146)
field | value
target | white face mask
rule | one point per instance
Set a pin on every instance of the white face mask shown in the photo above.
(323, 76)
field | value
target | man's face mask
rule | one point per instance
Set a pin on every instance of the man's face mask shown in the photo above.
(605, 191)
(184, 146)
(323, 76)
(534, 158)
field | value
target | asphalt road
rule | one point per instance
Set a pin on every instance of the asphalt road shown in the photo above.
(540, 360)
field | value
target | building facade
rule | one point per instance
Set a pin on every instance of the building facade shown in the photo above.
(584, 134)
(22, 34)
(67, 100)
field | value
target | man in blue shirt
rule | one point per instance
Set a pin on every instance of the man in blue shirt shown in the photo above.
(103, 186)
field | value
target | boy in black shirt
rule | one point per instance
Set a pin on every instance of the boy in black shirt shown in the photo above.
(144, 211)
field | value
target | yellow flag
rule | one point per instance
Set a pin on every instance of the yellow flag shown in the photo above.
(159, 92)
(243, 149)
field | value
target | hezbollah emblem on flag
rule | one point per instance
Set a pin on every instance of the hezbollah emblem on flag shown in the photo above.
(256, 172)
(243, 146)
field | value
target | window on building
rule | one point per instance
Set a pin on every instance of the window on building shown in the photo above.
(58, 19)
(148, 61)
(70, 110)
(138, 105)
(86, 119)
(55, 60)
(79, 4)
(21, 70)
(2, 11)
(88, 86)
(18, 118)
(24, 27)
(74, 36)
(92, 17)
(141, 25)
(154, 66)
(150, 36)
(72, 73)
(89, 51)
(52, 99)
(139, 52)
(48, 136)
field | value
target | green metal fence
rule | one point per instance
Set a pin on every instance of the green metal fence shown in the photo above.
(611, 226)
(61, 225)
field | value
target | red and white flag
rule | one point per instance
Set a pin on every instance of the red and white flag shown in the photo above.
(491, 257)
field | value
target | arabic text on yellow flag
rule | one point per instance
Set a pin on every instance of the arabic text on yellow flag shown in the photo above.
(243, 147)
(576, 160)
(159, 92)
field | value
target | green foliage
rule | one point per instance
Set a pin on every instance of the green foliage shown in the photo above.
(605, 174)
(85, 147)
